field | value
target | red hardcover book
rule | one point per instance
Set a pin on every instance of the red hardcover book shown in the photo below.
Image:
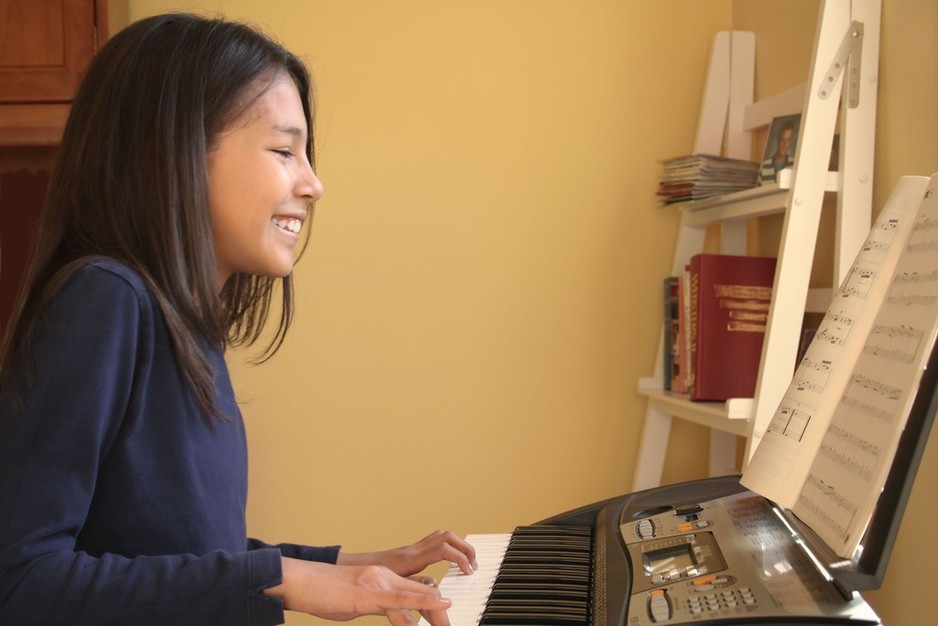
(730, 298)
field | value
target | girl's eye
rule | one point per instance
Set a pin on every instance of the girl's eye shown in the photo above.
(284, 153)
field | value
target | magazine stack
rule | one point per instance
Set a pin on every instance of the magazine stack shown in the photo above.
(700, 176)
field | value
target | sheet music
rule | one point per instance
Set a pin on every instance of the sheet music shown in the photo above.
(858, 446)
(832, 441)
(780, 465)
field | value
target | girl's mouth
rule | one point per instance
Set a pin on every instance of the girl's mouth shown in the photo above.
(289, 224)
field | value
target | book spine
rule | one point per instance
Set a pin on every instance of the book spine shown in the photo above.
(679, 380)
(693, 366)
(671, 336)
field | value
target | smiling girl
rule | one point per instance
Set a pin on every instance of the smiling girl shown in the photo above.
(177, 203)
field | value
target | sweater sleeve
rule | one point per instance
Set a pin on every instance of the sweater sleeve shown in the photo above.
(53, 441)
(325, 554)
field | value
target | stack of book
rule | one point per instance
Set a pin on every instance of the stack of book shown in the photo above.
(699, 176)
(715, 319)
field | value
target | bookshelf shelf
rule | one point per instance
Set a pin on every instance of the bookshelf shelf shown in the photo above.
(797, 196)
(766, 199)
(730, 416)
(756, 202)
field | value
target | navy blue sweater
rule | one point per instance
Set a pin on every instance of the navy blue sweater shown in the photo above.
(120, 503)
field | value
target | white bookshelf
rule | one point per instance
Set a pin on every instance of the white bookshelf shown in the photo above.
(841, 89)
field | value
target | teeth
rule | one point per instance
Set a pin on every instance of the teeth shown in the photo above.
(291, 224)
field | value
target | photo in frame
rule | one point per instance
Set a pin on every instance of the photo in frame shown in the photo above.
(780, 147)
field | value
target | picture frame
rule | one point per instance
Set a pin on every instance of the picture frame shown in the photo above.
(780, 147)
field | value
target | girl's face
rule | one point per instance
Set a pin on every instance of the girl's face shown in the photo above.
(261, 185)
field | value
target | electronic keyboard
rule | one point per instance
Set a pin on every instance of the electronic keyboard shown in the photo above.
(704, 552)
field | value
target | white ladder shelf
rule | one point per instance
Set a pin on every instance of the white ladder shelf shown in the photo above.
(843, 76)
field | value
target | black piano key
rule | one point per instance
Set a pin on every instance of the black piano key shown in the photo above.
(570, 537)
(522, 615)
(559, 563)
(514, 612)
(532, 619)
(565, 611)
(545, 569)
(550, 529)
(524, 561)
(541, 546)
(544, 578)
(545, 572)
(569, 606)
(522, 594)
(550, 539)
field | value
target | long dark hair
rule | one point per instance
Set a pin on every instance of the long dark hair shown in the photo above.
(129, 183)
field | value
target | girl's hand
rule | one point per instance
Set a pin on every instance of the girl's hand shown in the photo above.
(409, 560)
(344, 592)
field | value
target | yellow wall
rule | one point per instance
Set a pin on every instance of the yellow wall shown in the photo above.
(480, 292)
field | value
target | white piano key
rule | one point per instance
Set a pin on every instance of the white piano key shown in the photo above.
(469, 592)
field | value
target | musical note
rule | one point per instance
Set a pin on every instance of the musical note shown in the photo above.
(812, 375)
(807, 384)
(924, 235)
(858, 282)
(872, 398)
(895, 343)
(856, 455)
(881, 236)
(827, 505)
(914, 289)
(824, 365)
(830, 336)
(917, 300)
(791, 419)
(839, 317)
(889, 226)
(915, 277)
